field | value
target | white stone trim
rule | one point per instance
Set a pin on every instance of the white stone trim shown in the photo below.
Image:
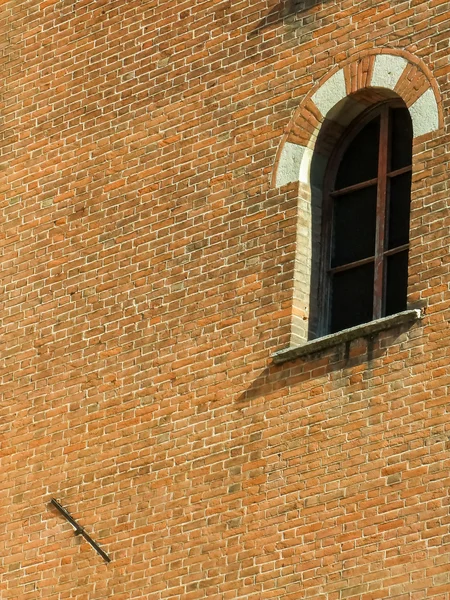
(305, 165)
(330, 93)
(289, 164)
(387, 70)
(425, 113)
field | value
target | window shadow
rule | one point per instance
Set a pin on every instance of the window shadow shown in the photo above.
(288, 9)
(343, 357)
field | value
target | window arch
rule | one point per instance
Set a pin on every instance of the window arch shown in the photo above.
(365, 221)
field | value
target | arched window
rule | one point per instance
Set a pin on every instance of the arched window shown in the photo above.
(366, 219)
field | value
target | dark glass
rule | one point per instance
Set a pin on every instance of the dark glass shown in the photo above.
(401, 138)
(399, 209)
(396, 282)
(352, 297)
(360, 160)
(354, 222)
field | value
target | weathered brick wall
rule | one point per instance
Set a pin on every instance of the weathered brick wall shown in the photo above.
(147, 277)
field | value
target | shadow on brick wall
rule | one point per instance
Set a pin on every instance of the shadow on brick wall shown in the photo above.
(347, 358)
(288, 9)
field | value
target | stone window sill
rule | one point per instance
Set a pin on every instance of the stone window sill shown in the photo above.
(328, 341)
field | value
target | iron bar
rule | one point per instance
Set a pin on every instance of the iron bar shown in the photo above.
(80, 530)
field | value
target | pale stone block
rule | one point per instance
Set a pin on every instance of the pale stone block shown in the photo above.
(330, 93)
(387, 71)
(289, 163)
(425, 114)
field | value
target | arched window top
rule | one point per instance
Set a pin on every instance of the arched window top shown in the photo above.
(366, 219)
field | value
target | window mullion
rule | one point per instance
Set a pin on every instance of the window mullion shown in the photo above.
(378, 300)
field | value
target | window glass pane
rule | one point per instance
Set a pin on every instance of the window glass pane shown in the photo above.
(401, 138)
(352, 297)
(399, 208)
(396, 282)
(360, 160)
(354, 222)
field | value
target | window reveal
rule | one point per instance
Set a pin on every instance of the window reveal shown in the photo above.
(366, 219)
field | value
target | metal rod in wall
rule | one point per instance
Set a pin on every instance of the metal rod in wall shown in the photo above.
(79, 530)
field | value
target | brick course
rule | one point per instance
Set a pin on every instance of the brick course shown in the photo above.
(147, 278)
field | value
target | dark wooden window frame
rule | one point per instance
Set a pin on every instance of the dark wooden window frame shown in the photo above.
(382, 218)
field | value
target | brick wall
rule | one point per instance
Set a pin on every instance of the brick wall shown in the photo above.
(147, 277)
